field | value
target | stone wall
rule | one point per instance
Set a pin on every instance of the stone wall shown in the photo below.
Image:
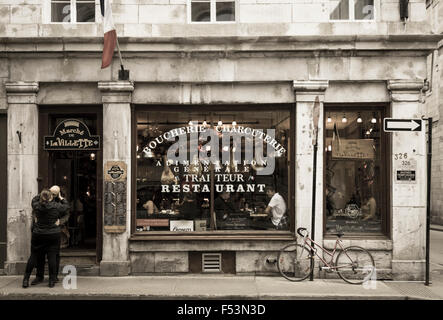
(434, 101)
(151, 18)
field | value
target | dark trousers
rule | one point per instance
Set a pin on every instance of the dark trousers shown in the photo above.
(41, 265)
(41, 245)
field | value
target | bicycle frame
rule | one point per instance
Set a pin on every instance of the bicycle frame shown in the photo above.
(330, 265)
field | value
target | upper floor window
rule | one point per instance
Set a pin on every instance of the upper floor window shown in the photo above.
(73, 11)
(212, 10)
(352, 10)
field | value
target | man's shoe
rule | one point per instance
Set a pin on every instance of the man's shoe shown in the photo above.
(51, 284)
(25, 283)
(36, 281)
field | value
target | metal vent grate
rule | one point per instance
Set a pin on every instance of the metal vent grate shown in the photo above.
(211, 262)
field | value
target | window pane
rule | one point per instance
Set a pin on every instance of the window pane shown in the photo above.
(61, 12)
(339, 10)
(364, 9)
(225, 11)
(85, 12)
(354, 188)
(201, 11)
(232, 164)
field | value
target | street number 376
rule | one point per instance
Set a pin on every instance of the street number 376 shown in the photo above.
(400, 156)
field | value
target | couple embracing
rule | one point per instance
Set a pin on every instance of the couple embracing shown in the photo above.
(49, 207)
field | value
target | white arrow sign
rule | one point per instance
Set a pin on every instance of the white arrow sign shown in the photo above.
(391, 124)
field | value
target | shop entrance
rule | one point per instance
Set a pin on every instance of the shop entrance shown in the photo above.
(76, 174)
(70, 156)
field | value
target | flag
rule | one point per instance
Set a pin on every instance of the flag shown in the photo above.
(110, 36)
(315, 119)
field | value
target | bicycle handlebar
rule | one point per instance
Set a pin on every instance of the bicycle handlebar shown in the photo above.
(299, 230)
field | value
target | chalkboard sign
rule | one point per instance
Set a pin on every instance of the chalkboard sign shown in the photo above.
(71, 134)
(115, 191)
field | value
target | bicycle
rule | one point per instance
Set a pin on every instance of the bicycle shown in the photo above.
(353, 264)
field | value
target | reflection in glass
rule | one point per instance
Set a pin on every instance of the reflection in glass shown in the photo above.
(364, 9)
(85, 11)
(225, 11)
(61, 11)
(354, 173)
(200, 11)
(339, 10)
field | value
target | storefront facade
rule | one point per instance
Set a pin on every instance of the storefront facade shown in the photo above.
(149, 164)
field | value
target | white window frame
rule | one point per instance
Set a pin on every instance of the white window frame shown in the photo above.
(352, 13)
(213, 13)
(47, 7)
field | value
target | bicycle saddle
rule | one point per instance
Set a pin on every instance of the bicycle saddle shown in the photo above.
(338, 234)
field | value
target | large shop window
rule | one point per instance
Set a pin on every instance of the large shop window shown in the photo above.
(355, 182)
(220, 170)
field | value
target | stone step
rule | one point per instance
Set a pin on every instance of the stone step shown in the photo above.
(78, 257)
(82, 270)
(78, 260)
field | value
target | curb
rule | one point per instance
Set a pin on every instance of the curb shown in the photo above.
(197, 298)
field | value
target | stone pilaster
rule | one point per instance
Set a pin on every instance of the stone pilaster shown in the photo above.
(408, 200)
(22, 171)
(116, 98)
(306, 92)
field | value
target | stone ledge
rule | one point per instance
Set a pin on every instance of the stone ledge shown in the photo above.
(115, 268)
(413, 85)
(21, 87)
(310, 86)
(116, 86)
(15, 267)
(371, 244)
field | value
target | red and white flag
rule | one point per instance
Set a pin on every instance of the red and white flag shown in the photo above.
(110, 36)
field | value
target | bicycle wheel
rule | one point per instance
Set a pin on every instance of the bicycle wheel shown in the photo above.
(355, 265)
(294, 262)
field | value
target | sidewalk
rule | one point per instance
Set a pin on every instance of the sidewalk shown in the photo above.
(207, 287)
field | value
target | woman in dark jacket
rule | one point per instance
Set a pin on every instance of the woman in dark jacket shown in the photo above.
(46, 233)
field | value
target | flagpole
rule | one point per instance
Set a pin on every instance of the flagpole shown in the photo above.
(119, 54)
(122, 74)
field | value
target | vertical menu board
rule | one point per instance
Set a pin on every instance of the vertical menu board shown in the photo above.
(115, 192)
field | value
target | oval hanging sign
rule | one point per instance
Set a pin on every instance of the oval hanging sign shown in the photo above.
(72, 134)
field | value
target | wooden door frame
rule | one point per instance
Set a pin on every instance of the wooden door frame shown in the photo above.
(43, 157)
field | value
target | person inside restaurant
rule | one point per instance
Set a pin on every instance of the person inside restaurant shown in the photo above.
(189, 207)
(276, 209)
(223, 206)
